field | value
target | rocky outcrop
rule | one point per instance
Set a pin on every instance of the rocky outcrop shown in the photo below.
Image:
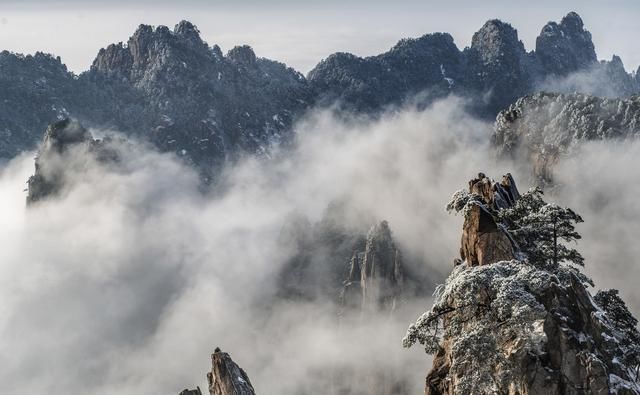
(511, 327)
(545, 126)
(50, 174)
(560, 344)
(67, 149)
(226, 377)
(497, 66)
(376, 275)
(565, 47)
(483, 241)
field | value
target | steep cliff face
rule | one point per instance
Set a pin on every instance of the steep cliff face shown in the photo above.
(484, 241)
(67, 148)
(376, 275)
(515, 329)
(520, 326)
(545, 126)
(565, 47)
(226, 377)
(497, 66)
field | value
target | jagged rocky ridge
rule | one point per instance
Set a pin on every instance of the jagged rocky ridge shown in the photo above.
(67, 148)
(225, 377)
(172, 88)
(511, 325)
(544, 127)
(495, 70)
(166, 86)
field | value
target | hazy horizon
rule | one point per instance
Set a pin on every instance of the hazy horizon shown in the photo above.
(300, 34)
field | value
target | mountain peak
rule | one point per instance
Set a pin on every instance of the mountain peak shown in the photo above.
(242, 54)
(186, 28)
(572, 20)
(495, 40)
(566, 47)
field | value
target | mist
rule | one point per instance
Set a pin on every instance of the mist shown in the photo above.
(600, 180)
(127, 281)
(601, 80)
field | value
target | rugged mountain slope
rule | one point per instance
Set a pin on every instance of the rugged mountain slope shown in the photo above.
(544, 127)
(525, 325)
(190, 98)
(166, 86)
(170, 87)
(495, 70)
(34, 91)
(367, 85)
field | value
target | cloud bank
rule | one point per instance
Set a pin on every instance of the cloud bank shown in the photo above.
(126, 282)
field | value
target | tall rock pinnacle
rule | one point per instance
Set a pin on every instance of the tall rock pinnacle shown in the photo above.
(226, 377)
(519, 325)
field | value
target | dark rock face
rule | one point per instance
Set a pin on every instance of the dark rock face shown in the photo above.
(494, 71)
(34, 93)
(67, 154)
(50, 172)
(366, 85)
(191, 99)
(376, 277)
(320, 254)
(566, 47)
(191, 392)
(545, 126)
(497, 63)
(166, 86)
(226, 377)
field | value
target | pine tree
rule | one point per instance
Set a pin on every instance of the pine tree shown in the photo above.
(541, 230)
(620, 317)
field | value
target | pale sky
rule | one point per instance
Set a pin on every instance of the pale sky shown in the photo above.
(301, 33)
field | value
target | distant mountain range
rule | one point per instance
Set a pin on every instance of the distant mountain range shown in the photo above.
(173, 89)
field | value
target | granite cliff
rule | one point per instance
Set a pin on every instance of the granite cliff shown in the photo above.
(524, 322)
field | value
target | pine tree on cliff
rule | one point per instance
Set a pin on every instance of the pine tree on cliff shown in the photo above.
(541, 229)
(616, 310)
(525, 324)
